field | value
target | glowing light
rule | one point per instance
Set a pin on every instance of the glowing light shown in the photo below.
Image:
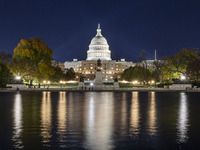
(91, 84)
(135, 82)
(62, 118)
(183, 77)
(18, 122)
(152, 81)
(135, 116)
(124, 81)
(46, 118)
(152, 114)
(183, 119)
(17, 77)
(48, 82)
(71, 81)
(44, 81)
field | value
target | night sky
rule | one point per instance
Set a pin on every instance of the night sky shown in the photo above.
(129, 26)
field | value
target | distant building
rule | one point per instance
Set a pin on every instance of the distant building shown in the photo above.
(99, 49)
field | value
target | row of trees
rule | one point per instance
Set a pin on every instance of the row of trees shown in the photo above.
(32, 61)
(5, 73)
(185, 63)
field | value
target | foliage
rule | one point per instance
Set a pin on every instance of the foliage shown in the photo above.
(159, 73)
(5, 75)
(5, 58)
(59, 75)
(136, 73)
(70, 74)
(193, 70)
(32, 60)
(177, 65)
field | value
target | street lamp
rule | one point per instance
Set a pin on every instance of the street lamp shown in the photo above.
(183, 77)
(17, 77)
(91, 84)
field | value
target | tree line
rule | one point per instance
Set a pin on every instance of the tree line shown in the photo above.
(169, 70)
(32, 61)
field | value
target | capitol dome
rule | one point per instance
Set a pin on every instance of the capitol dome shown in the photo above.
(98, 48)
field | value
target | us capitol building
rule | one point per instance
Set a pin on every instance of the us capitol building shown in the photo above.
(99, 49)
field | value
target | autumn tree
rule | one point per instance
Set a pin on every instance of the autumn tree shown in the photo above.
(32, 60)
(177, 65)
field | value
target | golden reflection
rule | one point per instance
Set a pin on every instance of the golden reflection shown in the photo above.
(124, 110)
(46, 118)
(18, 122)
(99, 121)
(135, 115)
(62, 117)
(182, 119)
(152, 114)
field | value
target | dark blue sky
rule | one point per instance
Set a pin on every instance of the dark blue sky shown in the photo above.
(129, 26)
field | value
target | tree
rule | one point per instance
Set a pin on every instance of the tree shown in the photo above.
(58, 75)
(193, 70)
(5, 58)
(5, 75)
(136, 73)
(32, 60)
(177, 65)
(70, 74)
(158, 72)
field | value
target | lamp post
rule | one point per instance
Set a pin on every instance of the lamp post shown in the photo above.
(18, 78)
(91, 84)
(183, 77)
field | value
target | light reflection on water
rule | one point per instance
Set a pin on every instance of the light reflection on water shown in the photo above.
(183, 121)
(17, 122)
(135, 116)
(46, 120)
(62, 118)
(102, 120)
(152, 114)
(99, 122)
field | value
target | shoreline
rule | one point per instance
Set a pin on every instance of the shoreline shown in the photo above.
(99, 90)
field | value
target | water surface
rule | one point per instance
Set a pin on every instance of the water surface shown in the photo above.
(99, 120)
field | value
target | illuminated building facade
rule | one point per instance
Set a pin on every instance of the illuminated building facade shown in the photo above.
(99, 49)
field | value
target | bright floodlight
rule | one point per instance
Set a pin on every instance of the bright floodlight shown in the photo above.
(91, 84)
(18, 77)
(183, 77)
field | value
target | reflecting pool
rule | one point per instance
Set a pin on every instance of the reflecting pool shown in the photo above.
(99, 120)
